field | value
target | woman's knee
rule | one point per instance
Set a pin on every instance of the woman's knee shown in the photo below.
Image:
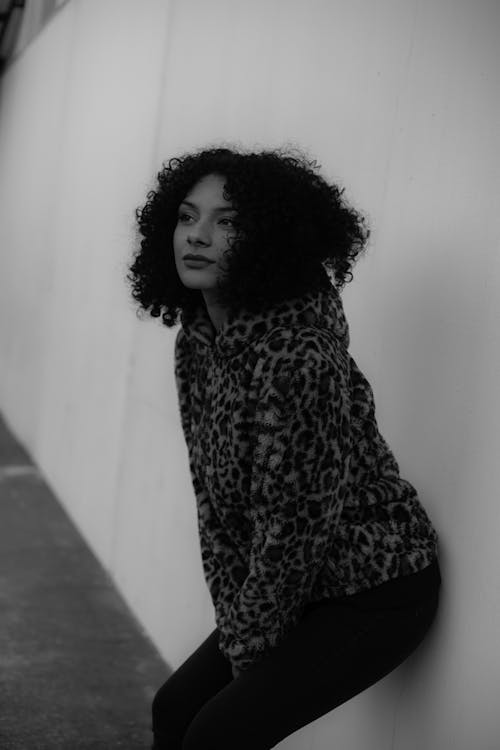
(173, 727)
(160, 701)
(168, 715)
(207, 732)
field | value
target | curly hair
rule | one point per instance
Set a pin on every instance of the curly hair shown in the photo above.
(291, 225)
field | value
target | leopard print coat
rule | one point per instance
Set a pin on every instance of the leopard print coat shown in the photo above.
(299, 497)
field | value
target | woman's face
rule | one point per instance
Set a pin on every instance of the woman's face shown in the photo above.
(204, 227)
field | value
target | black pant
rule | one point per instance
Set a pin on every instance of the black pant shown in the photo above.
(339, 648)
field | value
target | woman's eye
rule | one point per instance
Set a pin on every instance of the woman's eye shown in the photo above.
(227, 222)
(183, 218)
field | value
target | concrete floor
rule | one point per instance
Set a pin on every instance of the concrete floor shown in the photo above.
(76, 670)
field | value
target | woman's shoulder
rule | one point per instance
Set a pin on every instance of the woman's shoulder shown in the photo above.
(305, 347)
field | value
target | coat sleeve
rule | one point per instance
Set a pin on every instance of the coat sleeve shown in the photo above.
(299, 471)
(182, 376)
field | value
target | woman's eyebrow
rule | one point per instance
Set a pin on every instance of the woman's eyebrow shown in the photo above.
(217, 208)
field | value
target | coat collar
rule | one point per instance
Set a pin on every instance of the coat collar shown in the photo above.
(322, 309)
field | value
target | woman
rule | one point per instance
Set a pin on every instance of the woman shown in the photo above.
(320, 559)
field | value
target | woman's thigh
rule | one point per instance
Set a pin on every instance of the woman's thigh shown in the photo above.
(187, 690)
(334, 653)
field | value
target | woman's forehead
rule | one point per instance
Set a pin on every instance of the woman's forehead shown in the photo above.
(209, 189)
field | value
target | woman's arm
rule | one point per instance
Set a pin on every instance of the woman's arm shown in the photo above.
(299, 472)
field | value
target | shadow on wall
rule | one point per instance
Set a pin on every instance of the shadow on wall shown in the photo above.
(20, 23)
(439, 373)
(438, 331)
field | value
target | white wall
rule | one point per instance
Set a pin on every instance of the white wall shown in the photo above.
(397, 99)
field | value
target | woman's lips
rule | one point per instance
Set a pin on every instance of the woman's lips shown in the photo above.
(197, 263)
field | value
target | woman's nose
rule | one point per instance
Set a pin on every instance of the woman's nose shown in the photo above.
(199, 234)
